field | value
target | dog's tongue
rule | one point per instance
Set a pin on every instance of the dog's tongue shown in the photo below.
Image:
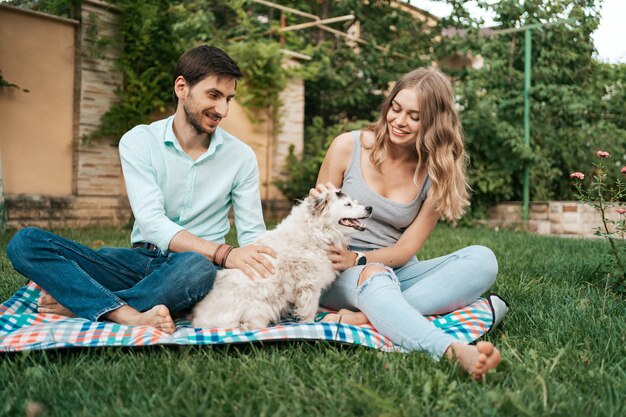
(354, 223)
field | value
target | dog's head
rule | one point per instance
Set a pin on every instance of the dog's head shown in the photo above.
(339, 211)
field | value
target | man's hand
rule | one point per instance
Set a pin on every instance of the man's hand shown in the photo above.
(341, 258)
(253, 260)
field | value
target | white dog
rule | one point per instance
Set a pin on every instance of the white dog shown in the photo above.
(302, 269)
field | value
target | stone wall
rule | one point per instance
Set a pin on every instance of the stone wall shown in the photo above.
(97, 170)
(275, 205)
(560, 218)
(291, 126)
(68, 211)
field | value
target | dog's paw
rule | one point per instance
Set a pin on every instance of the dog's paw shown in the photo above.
(199, 322)
(255, 324)
(307, 319)
(202, 321)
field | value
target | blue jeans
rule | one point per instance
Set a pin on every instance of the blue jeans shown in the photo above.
(91, 283)
(397, 300)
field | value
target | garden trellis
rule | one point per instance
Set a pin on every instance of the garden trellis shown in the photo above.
(527, 79)
(319, 23)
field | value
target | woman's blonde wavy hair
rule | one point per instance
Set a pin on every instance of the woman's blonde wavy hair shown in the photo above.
(439, 142)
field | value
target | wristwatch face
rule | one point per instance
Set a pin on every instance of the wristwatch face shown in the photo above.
(362, 260)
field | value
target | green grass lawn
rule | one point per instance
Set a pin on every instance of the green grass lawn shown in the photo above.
(563, 344)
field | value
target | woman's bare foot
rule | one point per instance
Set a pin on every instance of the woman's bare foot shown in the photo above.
(345, 316)
(476, 360)
(158, 316)
(49, 305)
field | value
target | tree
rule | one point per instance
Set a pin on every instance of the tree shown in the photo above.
(577, 104)
(569, 117)
(353, 77)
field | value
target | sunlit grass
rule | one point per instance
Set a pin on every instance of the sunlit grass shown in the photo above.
(564, 348)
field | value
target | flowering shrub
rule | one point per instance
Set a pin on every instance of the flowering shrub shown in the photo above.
(605, 196)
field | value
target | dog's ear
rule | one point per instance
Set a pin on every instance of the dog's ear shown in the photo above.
(318, 204)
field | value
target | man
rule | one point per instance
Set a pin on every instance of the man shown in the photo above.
(182, 175)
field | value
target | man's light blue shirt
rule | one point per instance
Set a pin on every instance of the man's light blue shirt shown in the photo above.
(169, 192)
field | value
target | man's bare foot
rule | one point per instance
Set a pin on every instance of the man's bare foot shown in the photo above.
(49, 305)
(345, 316)
(158, 316)
(476, 360)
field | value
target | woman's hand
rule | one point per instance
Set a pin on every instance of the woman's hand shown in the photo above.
(320, 188)
(340, 258)
(253, 260)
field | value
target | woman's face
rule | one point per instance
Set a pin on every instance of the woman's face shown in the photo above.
(403, 118)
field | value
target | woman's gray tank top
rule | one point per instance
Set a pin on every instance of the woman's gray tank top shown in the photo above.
(389, 219)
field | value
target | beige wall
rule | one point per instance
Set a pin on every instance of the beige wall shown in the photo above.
(254, 134)
(51, 177)
(36, 53)
(271, 148)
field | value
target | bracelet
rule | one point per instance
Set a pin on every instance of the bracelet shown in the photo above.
(230, 249)
(221, 253)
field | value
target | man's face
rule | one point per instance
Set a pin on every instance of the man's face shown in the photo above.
(206, 103)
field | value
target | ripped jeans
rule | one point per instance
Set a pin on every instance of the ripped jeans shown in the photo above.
(397, 300)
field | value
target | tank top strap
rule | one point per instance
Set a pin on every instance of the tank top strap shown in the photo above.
(356, 134)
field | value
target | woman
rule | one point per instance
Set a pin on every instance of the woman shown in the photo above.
(409, 166)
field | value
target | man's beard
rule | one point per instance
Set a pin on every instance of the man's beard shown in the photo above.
(193, 118)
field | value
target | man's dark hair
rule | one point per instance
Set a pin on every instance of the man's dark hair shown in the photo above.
(200, 62)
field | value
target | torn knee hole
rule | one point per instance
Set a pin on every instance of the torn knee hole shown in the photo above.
(368, 271)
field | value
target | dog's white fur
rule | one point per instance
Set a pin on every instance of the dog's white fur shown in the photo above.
(302, 268)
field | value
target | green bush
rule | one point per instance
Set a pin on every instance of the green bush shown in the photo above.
(301, 172)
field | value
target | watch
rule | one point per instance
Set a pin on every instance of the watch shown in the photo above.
(360, 259)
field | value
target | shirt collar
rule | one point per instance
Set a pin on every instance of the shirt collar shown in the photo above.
(217, 139)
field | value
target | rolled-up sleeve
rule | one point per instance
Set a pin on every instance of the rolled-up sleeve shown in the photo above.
(247, 202)
(145, 196)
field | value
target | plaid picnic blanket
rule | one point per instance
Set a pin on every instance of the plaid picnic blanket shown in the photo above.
(22, 328)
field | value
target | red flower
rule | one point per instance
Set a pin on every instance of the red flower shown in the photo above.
(603, 154)
(623, 171)
(621, 211)
(578, 175)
